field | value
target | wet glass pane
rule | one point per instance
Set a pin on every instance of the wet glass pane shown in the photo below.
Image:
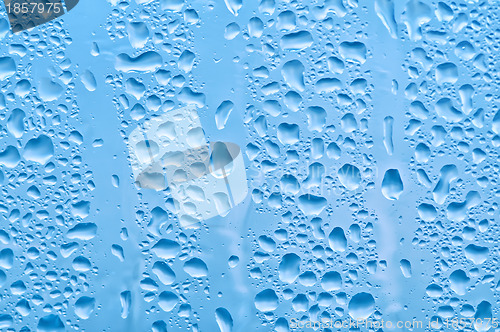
(271, 165)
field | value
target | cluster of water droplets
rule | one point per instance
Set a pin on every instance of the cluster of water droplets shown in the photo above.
(451, 123)
(371, 139)
(46, 187)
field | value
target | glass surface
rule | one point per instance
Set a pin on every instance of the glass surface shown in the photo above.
(312, 164)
